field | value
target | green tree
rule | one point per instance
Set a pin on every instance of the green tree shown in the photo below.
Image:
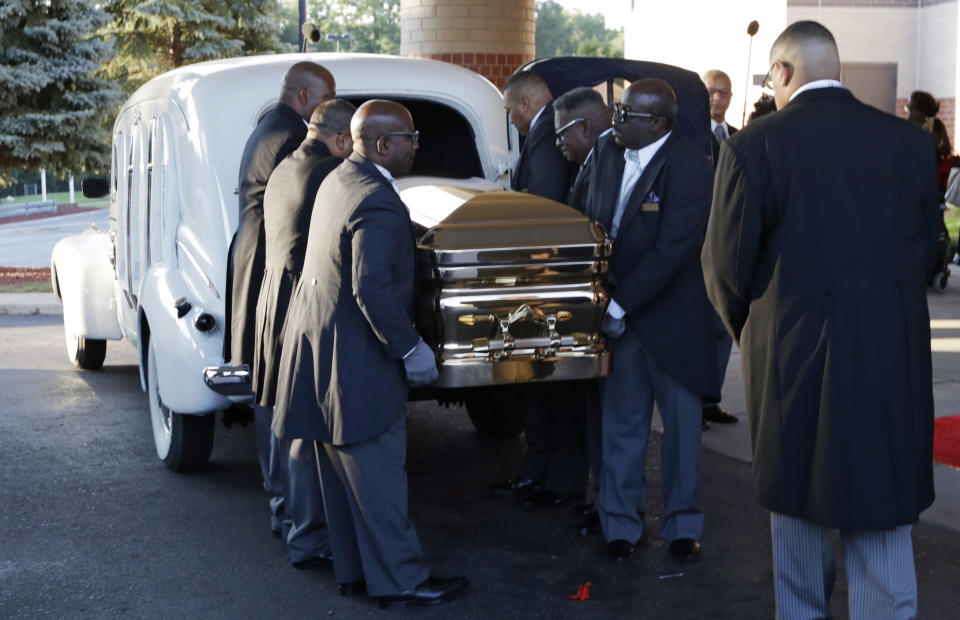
(154, 36)
(561, 32)
(373, 25)
(51, 99)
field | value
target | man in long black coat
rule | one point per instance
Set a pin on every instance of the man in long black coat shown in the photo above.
(553, 468)
(835, 335)
(281, 130)
(287, 206)
(651, 191)
(350, 354)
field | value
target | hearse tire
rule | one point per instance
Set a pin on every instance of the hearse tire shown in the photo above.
(183, 441)
(496, 413)
(86, 353)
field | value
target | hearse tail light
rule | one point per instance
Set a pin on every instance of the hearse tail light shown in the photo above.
(205, 322)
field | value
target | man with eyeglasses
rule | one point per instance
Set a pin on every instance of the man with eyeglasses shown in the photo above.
(551, 472)
(718, 88)
(287, 205)
(835, 337)
(650, 190)
(350, 354)
(580, 118)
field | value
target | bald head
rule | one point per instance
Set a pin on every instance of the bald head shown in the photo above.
(370, 127)
(648, 109)
(804, 52)
(305, 86)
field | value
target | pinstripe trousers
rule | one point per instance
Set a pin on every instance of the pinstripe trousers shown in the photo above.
(365, 495)
(881, 579)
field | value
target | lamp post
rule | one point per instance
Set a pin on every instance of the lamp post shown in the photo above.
(340, 37)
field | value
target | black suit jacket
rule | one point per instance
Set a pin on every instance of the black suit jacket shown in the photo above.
(279, 133)
(823, 217)
(287, 206)
(578, 193)
(351, 320)
(655, 272)
(542, 169)
(715, 144)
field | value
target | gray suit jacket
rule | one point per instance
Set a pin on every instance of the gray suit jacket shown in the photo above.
(351, 320)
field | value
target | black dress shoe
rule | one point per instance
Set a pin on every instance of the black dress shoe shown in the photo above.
(432, 591)
(352, 587)
(704, 425)
(320, 561)
(545, 498)
(716, 413)
(619, 550)
(516, 486)
(590, 523)
(686, 549)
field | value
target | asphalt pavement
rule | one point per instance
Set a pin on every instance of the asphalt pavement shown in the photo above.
(29, 243)
(93, 526)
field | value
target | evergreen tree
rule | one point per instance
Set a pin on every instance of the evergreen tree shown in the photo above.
(561, 32)
(154, 36)
(51, 101)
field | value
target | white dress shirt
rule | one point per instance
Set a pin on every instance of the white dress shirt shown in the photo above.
(816, 84)
(636, 160)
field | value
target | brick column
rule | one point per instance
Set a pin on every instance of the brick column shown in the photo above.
(492, 38)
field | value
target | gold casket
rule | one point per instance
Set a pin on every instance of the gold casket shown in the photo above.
(511, 289)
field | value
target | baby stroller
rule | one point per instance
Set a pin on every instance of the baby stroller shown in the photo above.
(940, 262)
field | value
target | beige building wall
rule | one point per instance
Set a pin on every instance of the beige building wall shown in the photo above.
(492, 38)
(700, 35)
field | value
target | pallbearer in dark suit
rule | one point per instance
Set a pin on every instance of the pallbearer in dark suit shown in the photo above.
(719, 88)
(281, 130)
(350, 354)
(287, 205)
(835, 335)
(651, 191)
(553, 469)
(580, 118)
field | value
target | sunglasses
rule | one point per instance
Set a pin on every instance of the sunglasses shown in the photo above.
(622, 115)
(560, 132)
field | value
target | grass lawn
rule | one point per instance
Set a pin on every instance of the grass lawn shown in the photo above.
(61, 198)
(28, 287)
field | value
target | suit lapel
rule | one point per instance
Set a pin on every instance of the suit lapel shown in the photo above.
(611, 175)
(644, 184)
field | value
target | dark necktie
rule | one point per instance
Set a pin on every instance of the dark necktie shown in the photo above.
(719, 133)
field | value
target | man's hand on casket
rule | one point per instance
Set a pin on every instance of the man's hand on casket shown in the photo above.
(421, 365)
(614, 321)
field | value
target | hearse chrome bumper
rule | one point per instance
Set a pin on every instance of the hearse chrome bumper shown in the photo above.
(230, 381)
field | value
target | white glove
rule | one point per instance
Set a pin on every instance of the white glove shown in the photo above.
(421, 365)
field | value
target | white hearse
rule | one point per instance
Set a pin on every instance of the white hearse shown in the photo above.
(510, 284)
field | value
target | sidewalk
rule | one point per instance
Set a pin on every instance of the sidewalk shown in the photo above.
(29, 303)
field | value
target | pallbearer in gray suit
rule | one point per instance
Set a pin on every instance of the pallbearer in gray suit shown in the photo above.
(287, 205)
(835, 336)
(350, 354)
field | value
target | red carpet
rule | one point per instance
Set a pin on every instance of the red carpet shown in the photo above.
(946, 440)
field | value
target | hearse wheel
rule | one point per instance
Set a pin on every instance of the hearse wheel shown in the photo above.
(940, 281)
(183, 441)
(85, 353)
(496, 412)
